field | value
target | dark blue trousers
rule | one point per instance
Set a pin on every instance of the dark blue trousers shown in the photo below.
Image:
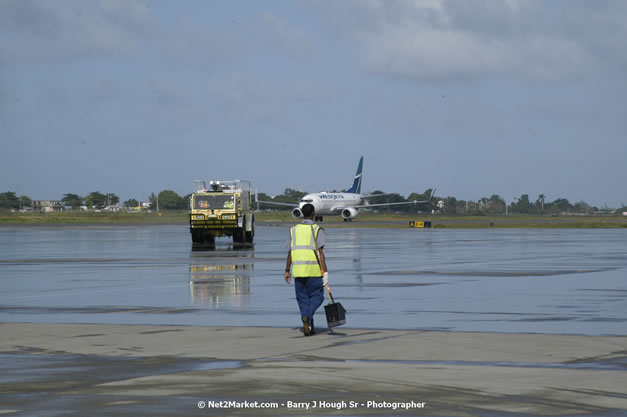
(309, 294)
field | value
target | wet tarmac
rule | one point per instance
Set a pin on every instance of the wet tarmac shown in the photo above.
(552, 281)
(124, 370)
(484, 323)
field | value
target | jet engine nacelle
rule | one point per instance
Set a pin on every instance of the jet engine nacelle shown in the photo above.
(296, 213)
(349, 213)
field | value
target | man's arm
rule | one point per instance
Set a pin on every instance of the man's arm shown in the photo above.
(323, 262)
(288, 277)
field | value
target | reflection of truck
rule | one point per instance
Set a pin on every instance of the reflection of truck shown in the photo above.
(222, 209)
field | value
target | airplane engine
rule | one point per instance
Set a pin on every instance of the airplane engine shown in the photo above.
(349, 213)
(296, 213)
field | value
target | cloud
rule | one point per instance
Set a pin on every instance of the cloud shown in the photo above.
(215, 47)
(413, 51)
(40, 30)
(446, 38)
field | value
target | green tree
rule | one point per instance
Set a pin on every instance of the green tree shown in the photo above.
(540, 202)
(184, 202)
(289, 196)
(112, 199)
(583, 207)
(96, 200)
(496, 204)
(377, 199)
(72, 200)
(9, 200)
(561, 205)
(293, 196)
(426, 207)
(25, 201)
(131, 202)
(264, 197)
(450, 205)
(483, 204)
(463, 207)
(153, 201)
(523, 205)
(169, 200)
(388, 198)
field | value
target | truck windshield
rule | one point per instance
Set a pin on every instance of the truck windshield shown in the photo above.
(214, 202)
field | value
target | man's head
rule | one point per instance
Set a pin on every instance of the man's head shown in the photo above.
(308, 211)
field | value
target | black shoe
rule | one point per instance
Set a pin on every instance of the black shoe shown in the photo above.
(306, 326)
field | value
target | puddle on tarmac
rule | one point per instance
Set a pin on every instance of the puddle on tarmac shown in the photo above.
(36, 367)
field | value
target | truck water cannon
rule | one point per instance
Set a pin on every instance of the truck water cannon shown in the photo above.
(215, 185)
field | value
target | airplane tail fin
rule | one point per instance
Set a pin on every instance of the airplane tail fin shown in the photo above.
(356, 188)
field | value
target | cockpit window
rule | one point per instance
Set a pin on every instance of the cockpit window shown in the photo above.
(217, 201)
(306, 200)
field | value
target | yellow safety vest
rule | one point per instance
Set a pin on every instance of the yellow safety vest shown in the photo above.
(303, 249)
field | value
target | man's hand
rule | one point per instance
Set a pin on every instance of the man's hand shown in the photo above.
(325, 279)
(288, 277)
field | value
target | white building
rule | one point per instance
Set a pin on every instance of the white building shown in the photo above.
(47, 206)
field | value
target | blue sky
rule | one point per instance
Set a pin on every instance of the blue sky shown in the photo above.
(472, 97)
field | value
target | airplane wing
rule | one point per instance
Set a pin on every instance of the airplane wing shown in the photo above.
(274, 202)
(395, 204)
(389, 204)
(277, 203)
(374, 195)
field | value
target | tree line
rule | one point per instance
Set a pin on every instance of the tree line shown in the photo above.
(166, 199)
(451, 205)
(170, 200)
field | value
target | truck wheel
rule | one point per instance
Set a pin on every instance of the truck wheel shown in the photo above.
(202, 240)
(197, 236)
(239, 234)
(251, 235)
(238, 237)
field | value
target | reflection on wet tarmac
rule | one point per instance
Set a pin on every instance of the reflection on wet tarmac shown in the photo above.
(215, 280)
(544, 281)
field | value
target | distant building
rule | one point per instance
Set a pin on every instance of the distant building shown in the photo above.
(47, 206)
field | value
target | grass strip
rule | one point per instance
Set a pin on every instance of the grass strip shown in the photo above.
(370, 220)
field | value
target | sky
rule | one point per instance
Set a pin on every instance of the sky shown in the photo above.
(472, 97)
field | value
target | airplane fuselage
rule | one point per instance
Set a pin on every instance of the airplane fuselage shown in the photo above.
(330, 203)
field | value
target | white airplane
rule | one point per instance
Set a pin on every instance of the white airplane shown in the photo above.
(345, 204)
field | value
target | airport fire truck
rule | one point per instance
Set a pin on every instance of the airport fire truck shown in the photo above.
(224, 208)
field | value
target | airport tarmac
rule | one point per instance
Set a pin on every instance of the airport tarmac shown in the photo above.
(119, 321)
(517, 281)
(122, 370)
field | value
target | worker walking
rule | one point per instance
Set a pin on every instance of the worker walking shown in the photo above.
(309, 268)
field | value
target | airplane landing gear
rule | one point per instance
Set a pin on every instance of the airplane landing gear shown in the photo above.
(318, 218)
